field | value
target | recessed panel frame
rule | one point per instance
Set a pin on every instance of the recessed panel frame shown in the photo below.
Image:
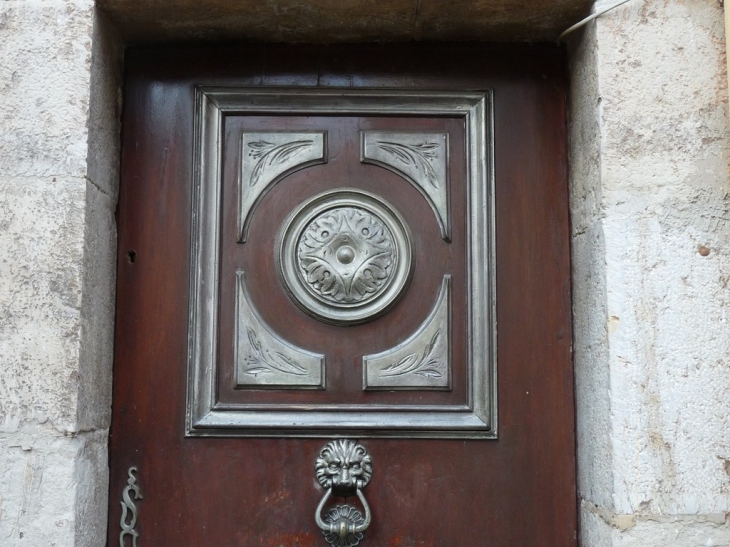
(205, 415)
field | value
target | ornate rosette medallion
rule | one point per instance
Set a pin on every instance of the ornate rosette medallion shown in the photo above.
(345, 256)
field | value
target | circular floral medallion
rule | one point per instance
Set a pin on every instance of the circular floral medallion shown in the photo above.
(345, 256)
(350, 516)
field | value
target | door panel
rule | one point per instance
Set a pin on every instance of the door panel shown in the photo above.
(514, 486)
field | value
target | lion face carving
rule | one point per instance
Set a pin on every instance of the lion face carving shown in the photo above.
(344, 464)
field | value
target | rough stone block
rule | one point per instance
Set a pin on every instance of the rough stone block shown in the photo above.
(657, 188)
(42, 236)
(45, 54)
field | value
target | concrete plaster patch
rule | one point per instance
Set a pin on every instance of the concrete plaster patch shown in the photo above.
(677, 532)
(595, 530)
(37, 489)
(601, 528)
(45, 54)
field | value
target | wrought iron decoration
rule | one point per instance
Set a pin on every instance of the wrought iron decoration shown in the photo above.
(130, 491)
(345, 468)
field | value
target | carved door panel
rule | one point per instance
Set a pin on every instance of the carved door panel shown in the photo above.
(354, 256)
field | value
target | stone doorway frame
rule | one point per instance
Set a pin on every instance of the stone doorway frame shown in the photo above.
(642, 478)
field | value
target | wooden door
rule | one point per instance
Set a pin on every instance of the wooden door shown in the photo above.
(360, 244)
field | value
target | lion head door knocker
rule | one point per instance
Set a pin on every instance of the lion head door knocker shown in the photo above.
(344, 468)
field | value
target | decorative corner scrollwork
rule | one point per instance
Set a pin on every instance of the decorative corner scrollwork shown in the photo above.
(267, 154)
(420, 158)
(268, 157)
(423, 364)
(263, 359)
(128, 521)
(423, 360)
(414, 156)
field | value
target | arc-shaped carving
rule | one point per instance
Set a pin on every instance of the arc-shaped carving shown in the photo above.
(423, 361)
(263, 359)
(420, 158)
(268, 157)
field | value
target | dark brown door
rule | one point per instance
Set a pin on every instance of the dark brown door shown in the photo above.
(359, 245)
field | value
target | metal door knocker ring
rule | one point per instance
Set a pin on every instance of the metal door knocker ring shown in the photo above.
(344, 468)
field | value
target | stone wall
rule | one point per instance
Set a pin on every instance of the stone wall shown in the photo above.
(651, 227)
(59, 108)
(651, 262)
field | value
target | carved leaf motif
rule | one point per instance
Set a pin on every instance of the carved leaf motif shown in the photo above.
(257, 370)
(269, 154)
(416, 363)
(415, 155)
(254, 341)
(430, 373)
(263, 362)
(404, 363)
(290, 362)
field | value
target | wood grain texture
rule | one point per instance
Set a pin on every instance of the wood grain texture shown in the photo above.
(518, 490)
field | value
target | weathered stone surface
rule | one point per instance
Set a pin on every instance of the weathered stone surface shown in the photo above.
(45, 54)
(496, 20)
(41, 235)
(91, 481)
(590, 350)
(58, 180)
(105, 106)
(100, 234)
(97, 312)
(649, 157)
(344, 20)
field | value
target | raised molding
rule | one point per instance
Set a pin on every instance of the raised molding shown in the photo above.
(475, 416)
